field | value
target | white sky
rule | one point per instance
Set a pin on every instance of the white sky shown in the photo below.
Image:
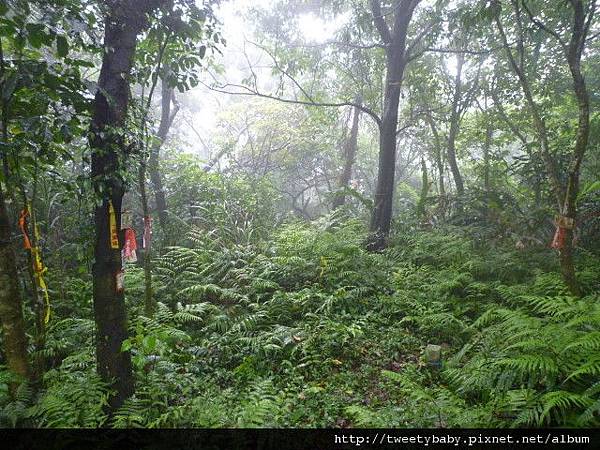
(202, 106)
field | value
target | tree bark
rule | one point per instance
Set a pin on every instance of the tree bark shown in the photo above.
(486, 165)
(11, 313)
(11, 309)
(124, 21)
(149, 303)
(421, 210)
(395, 52)
(166, 119)
(350, 149)
(439, 162)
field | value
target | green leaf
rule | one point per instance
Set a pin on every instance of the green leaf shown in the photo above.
(62, 46)
(9, 86)
(126, 345)
(588, 189)
(36, 35)
(149, 343)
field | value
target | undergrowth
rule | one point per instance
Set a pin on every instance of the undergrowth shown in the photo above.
(308, 329)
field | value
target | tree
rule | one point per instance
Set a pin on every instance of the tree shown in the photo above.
(350, 149)
(395, 42)
(578, 21)
(125, 20)
(166, 120)
(13, 326)
(36, 123)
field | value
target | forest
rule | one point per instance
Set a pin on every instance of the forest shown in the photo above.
(299, 214)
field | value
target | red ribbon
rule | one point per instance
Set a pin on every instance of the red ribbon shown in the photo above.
(147, 238)
(130, 246)
(558, 242)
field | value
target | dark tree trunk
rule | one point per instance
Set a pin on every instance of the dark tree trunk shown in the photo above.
(395, 49)
(11, 309)
(350, 149)
(166, 120)
(11, 313)
(125, 20)
(454, 127)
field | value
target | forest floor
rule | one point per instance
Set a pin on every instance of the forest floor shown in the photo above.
(310, 330)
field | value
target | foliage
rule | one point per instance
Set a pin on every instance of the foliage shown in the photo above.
(311, 330)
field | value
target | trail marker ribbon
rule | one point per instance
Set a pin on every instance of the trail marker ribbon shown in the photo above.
(36, 257)
(112, 223)
(147, 237)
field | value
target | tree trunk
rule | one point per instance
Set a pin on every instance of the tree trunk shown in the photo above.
(395, 42)
(566, 196)
(11, 309)
(11, 313)
(569, 209)
(486, 165)
(350, 149)
(125, 20)
(166, 119)
(149, 303)
(454, 127)
(439, 162)
(421, 210)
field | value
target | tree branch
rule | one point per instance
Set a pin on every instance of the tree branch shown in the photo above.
(382, 27)
(245, 90)
(543, 27)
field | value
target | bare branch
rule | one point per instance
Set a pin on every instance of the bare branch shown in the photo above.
(246, 91)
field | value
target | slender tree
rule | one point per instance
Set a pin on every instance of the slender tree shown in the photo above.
(166, 120)
(580, 18)
(350, 149)
(394, 40)
(455, 116)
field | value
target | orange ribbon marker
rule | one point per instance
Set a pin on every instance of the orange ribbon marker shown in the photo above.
(23, 227)
(563, 223)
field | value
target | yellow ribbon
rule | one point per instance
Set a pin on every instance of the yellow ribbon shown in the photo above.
(112, 220)
(39, 270)
(38, 267)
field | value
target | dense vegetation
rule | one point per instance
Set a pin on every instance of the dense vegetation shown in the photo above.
(302, 262)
